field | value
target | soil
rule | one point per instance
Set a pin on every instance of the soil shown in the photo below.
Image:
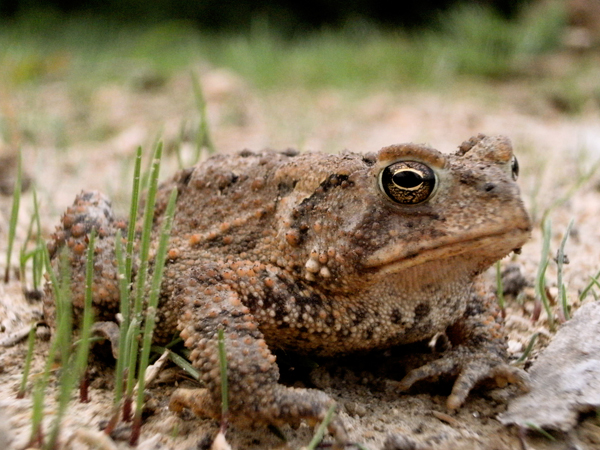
(555, 151)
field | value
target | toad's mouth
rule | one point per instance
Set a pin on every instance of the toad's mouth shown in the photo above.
(479, 250)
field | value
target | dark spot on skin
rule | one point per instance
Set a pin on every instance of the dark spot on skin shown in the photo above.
(279, 311)
(489, 187)
(314, 301)
(422, 312)
(286, 187)
(225, 180)
(474, 308)
(396, 316)
(329, 320)
(360, 315)
(246, 153)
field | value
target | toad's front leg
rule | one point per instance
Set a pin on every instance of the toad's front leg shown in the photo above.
(255, 396)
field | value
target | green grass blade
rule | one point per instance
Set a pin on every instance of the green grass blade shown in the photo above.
(64, 328)
(499, 286)
(204, 139)
(223, 372)
(179, 361)
(28, 358)
(540, 430)
(593, 282)
(14, 216)
(560, 257)
(133, 210)
(88, 311)
(40, 244)
(124, 293)
(528, 349)
(24, 255)
(318, 437)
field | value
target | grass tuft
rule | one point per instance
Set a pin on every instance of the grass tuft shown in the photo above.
(124, 268)
(142, 273)
(149, 320)
(73, 366)
(62, 335)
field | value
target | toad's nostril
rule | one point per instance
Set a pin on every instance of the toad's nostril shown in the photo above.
(489, 187)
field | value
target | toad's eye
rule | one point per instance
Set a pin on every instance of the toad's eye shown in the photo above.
(514, 166)
(407, 182)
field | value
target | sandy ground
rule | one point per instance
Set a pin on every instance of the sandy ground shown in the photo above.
(554, 151)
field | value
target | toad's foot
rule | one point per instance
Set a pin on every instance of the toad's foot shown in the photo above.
(287, 407)
(478, 353)
(471, 367)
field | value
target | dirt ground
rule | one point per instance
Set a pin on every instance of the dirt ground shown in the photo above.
(554, 149)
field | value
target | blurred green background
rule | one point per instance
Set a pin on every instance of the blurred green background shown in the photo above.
(548, 46)
(288, 16)
(322, 43)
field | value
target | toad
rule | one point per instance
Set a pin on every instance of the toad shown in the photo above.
(321, 255)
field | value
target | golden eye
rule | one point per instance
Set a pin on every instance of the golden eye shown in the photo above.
(407, 182)
(514, 166)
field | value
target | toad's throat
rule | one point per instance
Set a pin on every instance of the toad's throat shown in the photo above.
(482, 249)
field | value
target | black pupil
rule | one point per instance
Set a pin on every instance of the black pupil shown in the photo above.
(407, 179)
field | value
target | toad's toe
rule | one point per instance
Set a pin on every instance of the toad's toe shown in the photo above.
(471, 368)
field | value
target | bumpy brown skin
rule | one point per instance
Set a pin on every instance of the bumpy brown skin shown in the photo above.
(307, 253)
